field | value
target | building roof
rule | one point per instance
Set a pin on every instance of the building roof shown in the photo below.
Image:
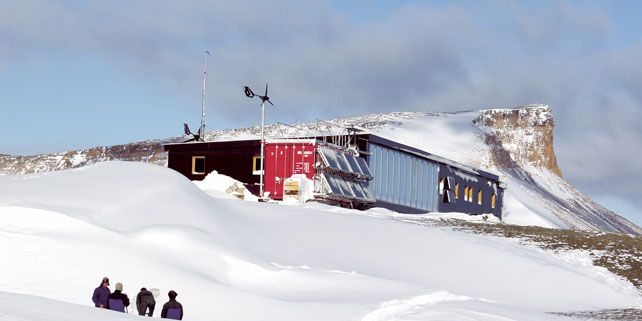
(210, 145)
(371, 138)
(418, 152)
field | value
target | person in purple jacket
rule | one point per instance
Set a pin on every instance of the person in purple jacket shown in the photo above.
(101, 294)
(172, 309)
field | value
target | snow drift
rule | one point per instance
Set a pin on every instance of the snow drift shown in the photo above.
(145, 225)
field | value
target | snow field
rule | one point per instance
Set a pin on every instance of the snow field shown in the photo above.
(145, 225)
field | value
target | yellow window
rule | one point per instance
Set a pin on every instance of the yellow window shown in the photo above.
(457, 190)
(492, 200)
(256, 165)
(470, 194)
(479, 197)
(198, 165)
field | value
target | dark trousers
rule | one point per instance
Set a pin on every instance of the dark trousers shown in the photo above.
(143, 308)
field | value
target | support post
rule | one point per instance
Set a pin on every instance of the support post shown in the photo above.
(262, 148)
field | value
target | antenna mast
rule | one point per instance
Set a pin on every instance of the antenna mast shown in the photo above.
(201, 130)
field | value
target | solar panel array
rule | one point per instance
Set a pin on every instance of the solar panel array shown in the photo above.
(346, 175)
(346, 163)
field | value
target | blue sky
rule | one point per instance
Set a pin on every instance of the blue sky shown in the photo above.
(76, 74)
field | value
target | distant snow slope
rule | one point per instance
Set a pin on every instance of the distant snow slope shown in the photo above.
(516, 144)
(146, 225)
(456, 137)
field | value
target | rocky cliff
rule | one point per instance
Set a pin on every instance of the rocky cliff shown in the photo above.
(525, 133)
(521, 145)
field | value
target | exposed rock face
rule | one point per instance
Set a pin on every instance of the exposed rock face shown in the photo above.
(521, 143)
(525, 133)
(148, 151)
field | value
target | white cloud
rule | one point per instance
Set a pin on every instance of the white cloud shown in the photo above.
(321, 63)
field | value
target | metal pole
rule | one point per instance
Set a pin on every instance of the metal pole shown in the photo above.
(262, 147)
(202, 129)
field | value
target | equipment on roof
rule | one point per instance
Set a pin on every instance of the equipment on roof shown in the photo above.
(195, 137)
(200, 136)
(250, 94)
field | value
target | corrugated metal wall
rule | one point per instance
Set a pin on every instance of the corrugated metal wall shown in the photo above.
(282, 160)
(403, 179)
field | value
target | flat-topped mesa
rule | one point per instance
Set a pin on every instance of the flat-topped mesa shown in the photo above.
(526, 133)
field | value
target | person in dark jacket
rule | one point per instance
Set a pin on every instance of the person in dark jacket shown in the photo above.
(101, 293)
(145, 300)
(118, 300)
(172, 309)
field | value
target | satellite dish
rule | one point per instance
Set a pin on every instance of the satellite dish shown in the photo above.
(353, 150)
(195, 137)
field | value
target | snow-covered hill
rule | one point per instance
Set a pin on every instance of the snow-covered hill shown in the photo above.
(515, 143)
(146, 225)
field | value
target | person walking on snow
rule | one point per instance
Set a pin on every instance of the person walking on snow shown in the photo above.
(145, 300)
(101, 293)
(172, 309)
(118, 300)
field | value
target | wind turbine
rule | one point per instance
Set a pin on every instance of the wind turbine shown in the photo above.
(250, 94)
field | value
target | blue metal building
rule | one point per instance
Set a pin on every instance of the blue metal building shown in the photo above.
(409, 180)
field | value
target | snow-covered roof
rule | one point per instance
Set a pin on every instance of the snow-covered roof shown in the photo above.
(370, 138)
(415, 151)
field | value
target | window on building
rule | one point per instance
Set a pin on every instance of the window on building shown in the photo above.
(466, 193)
(441, 186)
(470, 194)
(492, 200)
(450, 183)
(198, 165)
(256, 165)
(479, 197)
(447, 197)
(457, 190)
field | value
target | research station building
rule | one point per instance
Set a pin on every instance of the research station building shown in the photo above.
(363, 171)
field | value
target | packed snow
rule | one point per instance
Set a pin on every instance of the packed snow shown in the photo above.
(229, 259)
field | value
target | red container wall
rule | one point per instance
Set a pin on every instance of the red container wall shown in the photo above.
(282, 160)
